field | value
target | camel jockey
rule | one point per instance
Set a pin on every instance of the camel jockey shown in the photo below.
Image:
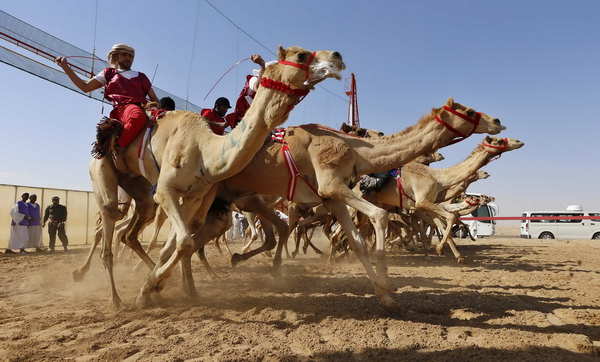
(215, 116)
(127, 89)
(248, 92)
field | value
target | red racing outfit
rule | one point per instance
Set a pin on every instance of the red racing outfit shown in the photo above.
(216, 122)
(243, 102)
(127, 90)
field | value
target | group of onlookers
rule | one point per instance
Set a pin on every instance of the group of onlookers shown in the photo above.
(26, 226)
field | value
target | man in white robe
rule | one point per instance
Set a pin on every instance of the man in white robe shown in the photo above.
(19, 235)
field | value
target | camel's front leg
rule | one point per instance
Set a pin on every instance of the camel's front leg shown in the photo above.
(108, 226)
(340, 211)
(336, 189)
(180, 243)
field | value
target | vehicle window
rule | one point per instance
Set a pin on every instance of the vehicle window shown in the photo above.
(538, 215)
(483, 211)
(595, 214)
(524, 215)
(570, 220)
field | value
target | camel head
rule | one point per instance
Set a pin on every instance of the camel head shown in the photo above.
(428, 158)
(360, 132)
(497, 145)
(303, 69)
(466, 121)
(482, 175)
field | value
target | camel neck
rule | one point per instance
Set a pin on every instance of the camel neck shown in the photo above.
(385, 153)
(455, 174)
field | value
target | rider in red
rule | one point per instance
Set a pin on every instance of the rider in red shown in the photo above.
(247, 94)
(215, 116)
(127, 89)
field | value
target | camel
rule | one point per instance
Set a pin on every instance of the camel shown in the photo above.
(424, 187)
(328, 160)
(184, 158)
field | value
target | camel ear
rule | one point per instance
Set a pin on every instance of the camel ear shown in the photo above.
(488, 139)
(361, 132)
(345, 128)
(281, 53)
(450, 102)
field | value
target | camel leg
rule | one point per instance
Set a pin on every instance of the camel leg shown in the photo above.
(79, 273)
(336, 189)
(340, 211)
(207, 266)
(180, 241)
(188, 279)
(144, 213)
(159, 221)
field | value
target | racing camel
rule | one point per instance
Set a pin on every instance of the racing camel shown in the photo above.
(184, 158)
(327, 160)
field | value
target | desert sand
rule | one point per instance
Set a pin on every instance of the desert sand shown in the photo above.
(515, 299)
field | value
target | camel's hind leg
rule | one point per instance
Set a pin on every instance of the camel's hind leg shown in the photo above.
(80, 272)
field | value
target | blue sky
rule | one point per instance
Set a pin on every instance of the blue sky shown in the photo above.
(533, 64)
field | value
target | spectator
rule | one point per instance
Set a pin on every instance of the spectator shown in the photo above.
(19, 235)
(57, 214)
(35, 224)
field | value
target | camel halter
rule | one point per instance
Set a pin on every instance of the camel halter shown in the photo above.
(304, 67)
(497, 154)
(461, 136)
(285, 88)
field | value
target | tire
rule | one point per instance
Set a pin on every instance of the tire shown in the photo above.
(596, 236)
(546, 235)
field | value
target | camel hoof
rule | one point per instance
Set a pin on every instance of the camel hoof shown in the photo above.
(461, 260)
(268, 253)
(439, 251)
(235, 259)
(294, 253)
(387, 302)
(142, 302)
(78, 275)
(116, 303)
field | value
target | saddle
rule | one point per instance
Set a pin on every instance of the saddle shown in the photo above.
(108, 131)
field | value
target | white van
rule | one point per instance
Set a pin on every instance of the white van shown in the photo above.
(568, 228)
(483, 227)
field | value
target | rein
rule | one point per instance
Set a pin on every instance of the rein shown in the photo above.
(461, 136)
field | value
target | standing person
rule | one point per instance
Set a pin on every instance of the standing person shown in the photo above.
(216, 116)
(57, 214)
(127, 89)
(18, 226)
(35, 224)
(248, 92)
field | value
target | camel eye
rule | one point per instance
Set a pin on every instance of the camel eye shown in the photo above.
(470, 113)
(303, 57)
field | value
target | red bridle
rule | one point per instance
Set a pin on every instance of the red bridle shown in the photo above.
(304, 67)
(498, 154)
(282, 87)
(461, 136)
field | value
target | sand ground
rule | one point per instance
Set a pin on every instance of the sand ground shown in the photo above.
(516, 299)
